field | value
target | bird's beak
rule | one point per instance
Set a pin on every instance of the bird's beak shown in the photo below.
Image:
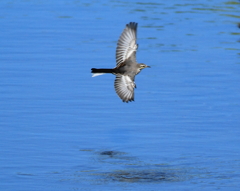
(148, 66)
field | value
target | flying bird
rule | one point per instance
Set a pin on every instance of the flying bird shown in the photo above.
(127, 67)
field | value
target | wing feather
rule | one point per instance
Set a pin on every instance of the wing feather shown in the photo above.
(126, 45)
(124, 87)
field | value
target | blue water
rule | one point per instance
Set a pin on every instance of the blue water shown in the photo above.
(61, 129)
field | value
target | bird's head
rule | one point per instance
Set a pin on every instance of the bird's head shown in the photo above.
(142, 66)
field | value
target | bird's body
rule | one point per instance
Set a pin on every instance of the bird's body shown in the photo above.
(127, 67)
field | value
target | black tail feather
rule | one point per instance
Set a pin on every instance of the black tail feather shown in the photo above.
(101, 70)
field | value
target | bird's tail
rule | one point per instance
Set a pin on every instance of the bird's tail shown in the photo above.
(97, 72)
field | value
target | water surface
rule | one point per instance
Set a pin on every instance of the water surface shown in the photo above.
(61, 129)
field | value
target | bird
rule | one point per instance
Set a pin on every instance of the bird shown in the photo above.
(127, 67)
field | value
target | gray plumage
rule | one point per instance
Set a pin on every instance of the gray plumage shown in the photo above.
(127, 67)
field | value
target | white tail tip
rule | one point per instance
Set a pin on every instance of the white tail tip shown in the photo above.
(97, 74)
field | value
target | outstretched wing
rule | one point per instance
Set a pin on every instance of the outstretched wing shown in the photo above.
(126, 45)
(124, 87)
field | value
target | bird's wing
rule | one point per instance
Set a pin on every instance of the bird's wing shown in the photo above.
(126, 45)
(124, 87)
